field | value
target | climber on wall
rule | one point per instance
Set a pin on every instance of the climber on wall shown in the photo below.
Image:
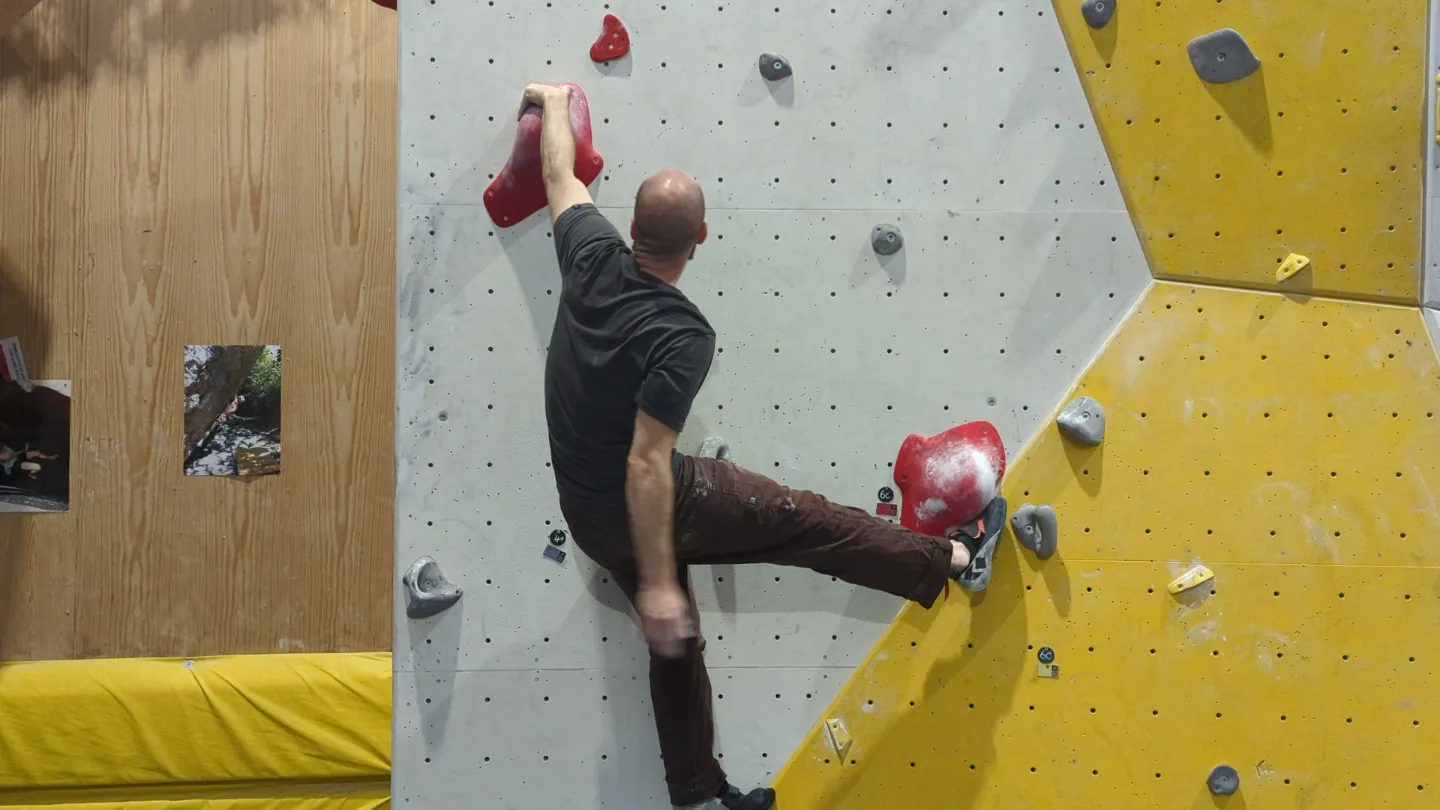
(627, 356)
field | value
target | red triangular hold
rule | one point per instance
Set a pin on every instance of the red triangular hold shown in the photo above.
(613, 43)
(390, 4)
(947, 479)
(519, 189)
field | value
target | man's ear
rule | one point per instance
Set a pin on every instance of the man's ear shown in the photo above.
(632, 229)
(704, 232)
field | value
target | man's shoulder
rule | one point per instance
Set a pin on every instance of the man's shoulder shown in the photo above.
(684, 314)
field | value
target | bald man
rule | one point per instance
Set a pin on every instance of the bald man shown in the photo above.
(628, 354)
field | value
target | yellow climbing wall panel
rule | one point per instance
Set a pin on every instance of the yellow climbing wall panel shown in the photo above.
(1290, 444)
(1320, 152)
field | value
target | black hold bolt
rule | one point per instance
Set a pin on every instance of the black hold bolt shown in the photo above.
(886, 239)
(1223, 781)
(1097, 12)
(557, 537)
(1046, 655)
(886, 495)
(774, 67)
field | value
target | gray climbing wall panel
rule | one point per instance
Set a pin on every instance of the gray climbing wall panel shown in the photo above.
(962, 124)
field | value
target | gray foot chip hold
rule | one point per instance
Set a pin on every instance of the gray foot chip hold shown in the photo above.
(1224, 780)
(774, 67)
(976, 577)
(1098, 12)
(1037, 529)
(427, 592)
(715, 447)
(1222, 56)
(886, 239)
(1083, 421)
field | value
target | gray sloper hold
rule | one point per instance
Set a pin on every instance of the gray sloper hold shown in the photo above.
(1222, 56)
(1098, 12)
(774, 67)
(715, 447)
(1037, 529)
(1223, 781)
(886, 239)
(427, 592)
(1083, 421)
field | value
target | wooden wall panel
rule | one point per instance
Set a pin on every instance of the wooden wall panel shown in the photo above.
(180, 173)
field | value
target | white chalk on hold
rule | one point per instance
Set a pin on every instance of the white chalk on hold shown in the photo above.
(839, 736)
(1197, 575)
(715, 447)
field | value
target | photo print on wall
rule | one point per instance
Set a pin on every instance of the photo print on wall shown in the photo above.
(232, 410)
(34, 445)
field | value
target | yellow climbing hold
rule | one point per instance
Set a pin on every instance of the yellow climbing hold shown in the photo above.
(1195, 577)
(839, 736)
(1293, 264)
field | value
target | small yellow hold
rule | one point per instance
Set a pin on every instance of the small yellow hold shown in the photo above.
(839, 736)
(1293, 264)
(1199, 575)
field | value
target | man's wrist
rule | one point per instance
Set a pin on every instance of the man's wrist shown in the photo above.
(661, 581)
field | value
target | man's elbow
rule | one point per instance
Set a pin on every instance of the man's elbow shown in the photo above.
(643, 467)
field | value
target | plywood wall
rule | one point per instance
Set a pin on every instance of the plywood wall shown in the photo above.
(202, 172)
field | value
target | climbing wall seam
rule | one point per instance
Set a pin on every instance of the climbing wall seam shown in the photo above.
(1431, 295)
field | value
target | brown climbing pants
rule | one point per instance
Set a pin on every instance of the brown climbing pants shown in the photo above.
(728, 515)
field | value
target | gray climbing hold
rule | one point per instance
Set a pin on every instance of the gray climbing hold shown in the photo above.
(427, 592)
(1098, 12)
(1083, 421)
(1222, 56)
(886, 239)
(1037, 529)
(1224, 780)
(715, 447)
(774, 67)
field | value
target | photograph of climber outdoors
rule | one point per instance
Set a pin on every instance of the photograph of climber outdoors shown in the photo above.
(34, 446)
(232, 410)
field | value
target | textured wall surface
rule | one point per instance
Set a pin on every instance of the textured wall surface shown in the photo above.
(962, 123)
(1318, 153)
(1289, 445)
(1286, 441)
(180, 173)
(1432, 171)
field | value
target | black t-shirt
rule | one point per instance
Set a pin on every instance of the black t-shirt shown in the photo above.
(623, 340)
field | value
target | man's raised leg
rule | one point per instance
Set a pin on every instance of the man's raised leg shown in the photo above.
(727, 514)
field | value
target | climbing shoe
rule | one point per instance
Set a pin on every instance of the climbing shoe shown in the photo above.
(757, 799)
(980, 536)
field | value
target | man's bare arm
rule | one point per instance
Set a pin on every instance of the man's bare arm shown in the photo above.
(650, 500)
(557, 149)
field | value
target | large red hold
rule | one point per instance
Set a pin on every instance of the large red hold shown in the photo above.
(948, 478)
(519, 189)
(614, 41)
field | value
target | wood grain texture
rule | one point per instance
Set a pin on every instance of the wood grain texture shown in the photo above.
(221, 173)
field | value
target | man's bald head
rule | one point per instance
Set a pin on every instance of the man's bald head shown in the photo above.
(669, 217)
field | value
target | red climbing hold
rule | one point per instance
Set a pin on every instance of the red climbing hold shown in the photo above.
(613, 43)
(947, 479)
(519, 189)
(390, 4)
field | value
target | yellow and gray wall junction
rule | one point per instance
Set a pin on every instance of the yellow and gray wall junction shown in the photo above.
(1082, 216)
